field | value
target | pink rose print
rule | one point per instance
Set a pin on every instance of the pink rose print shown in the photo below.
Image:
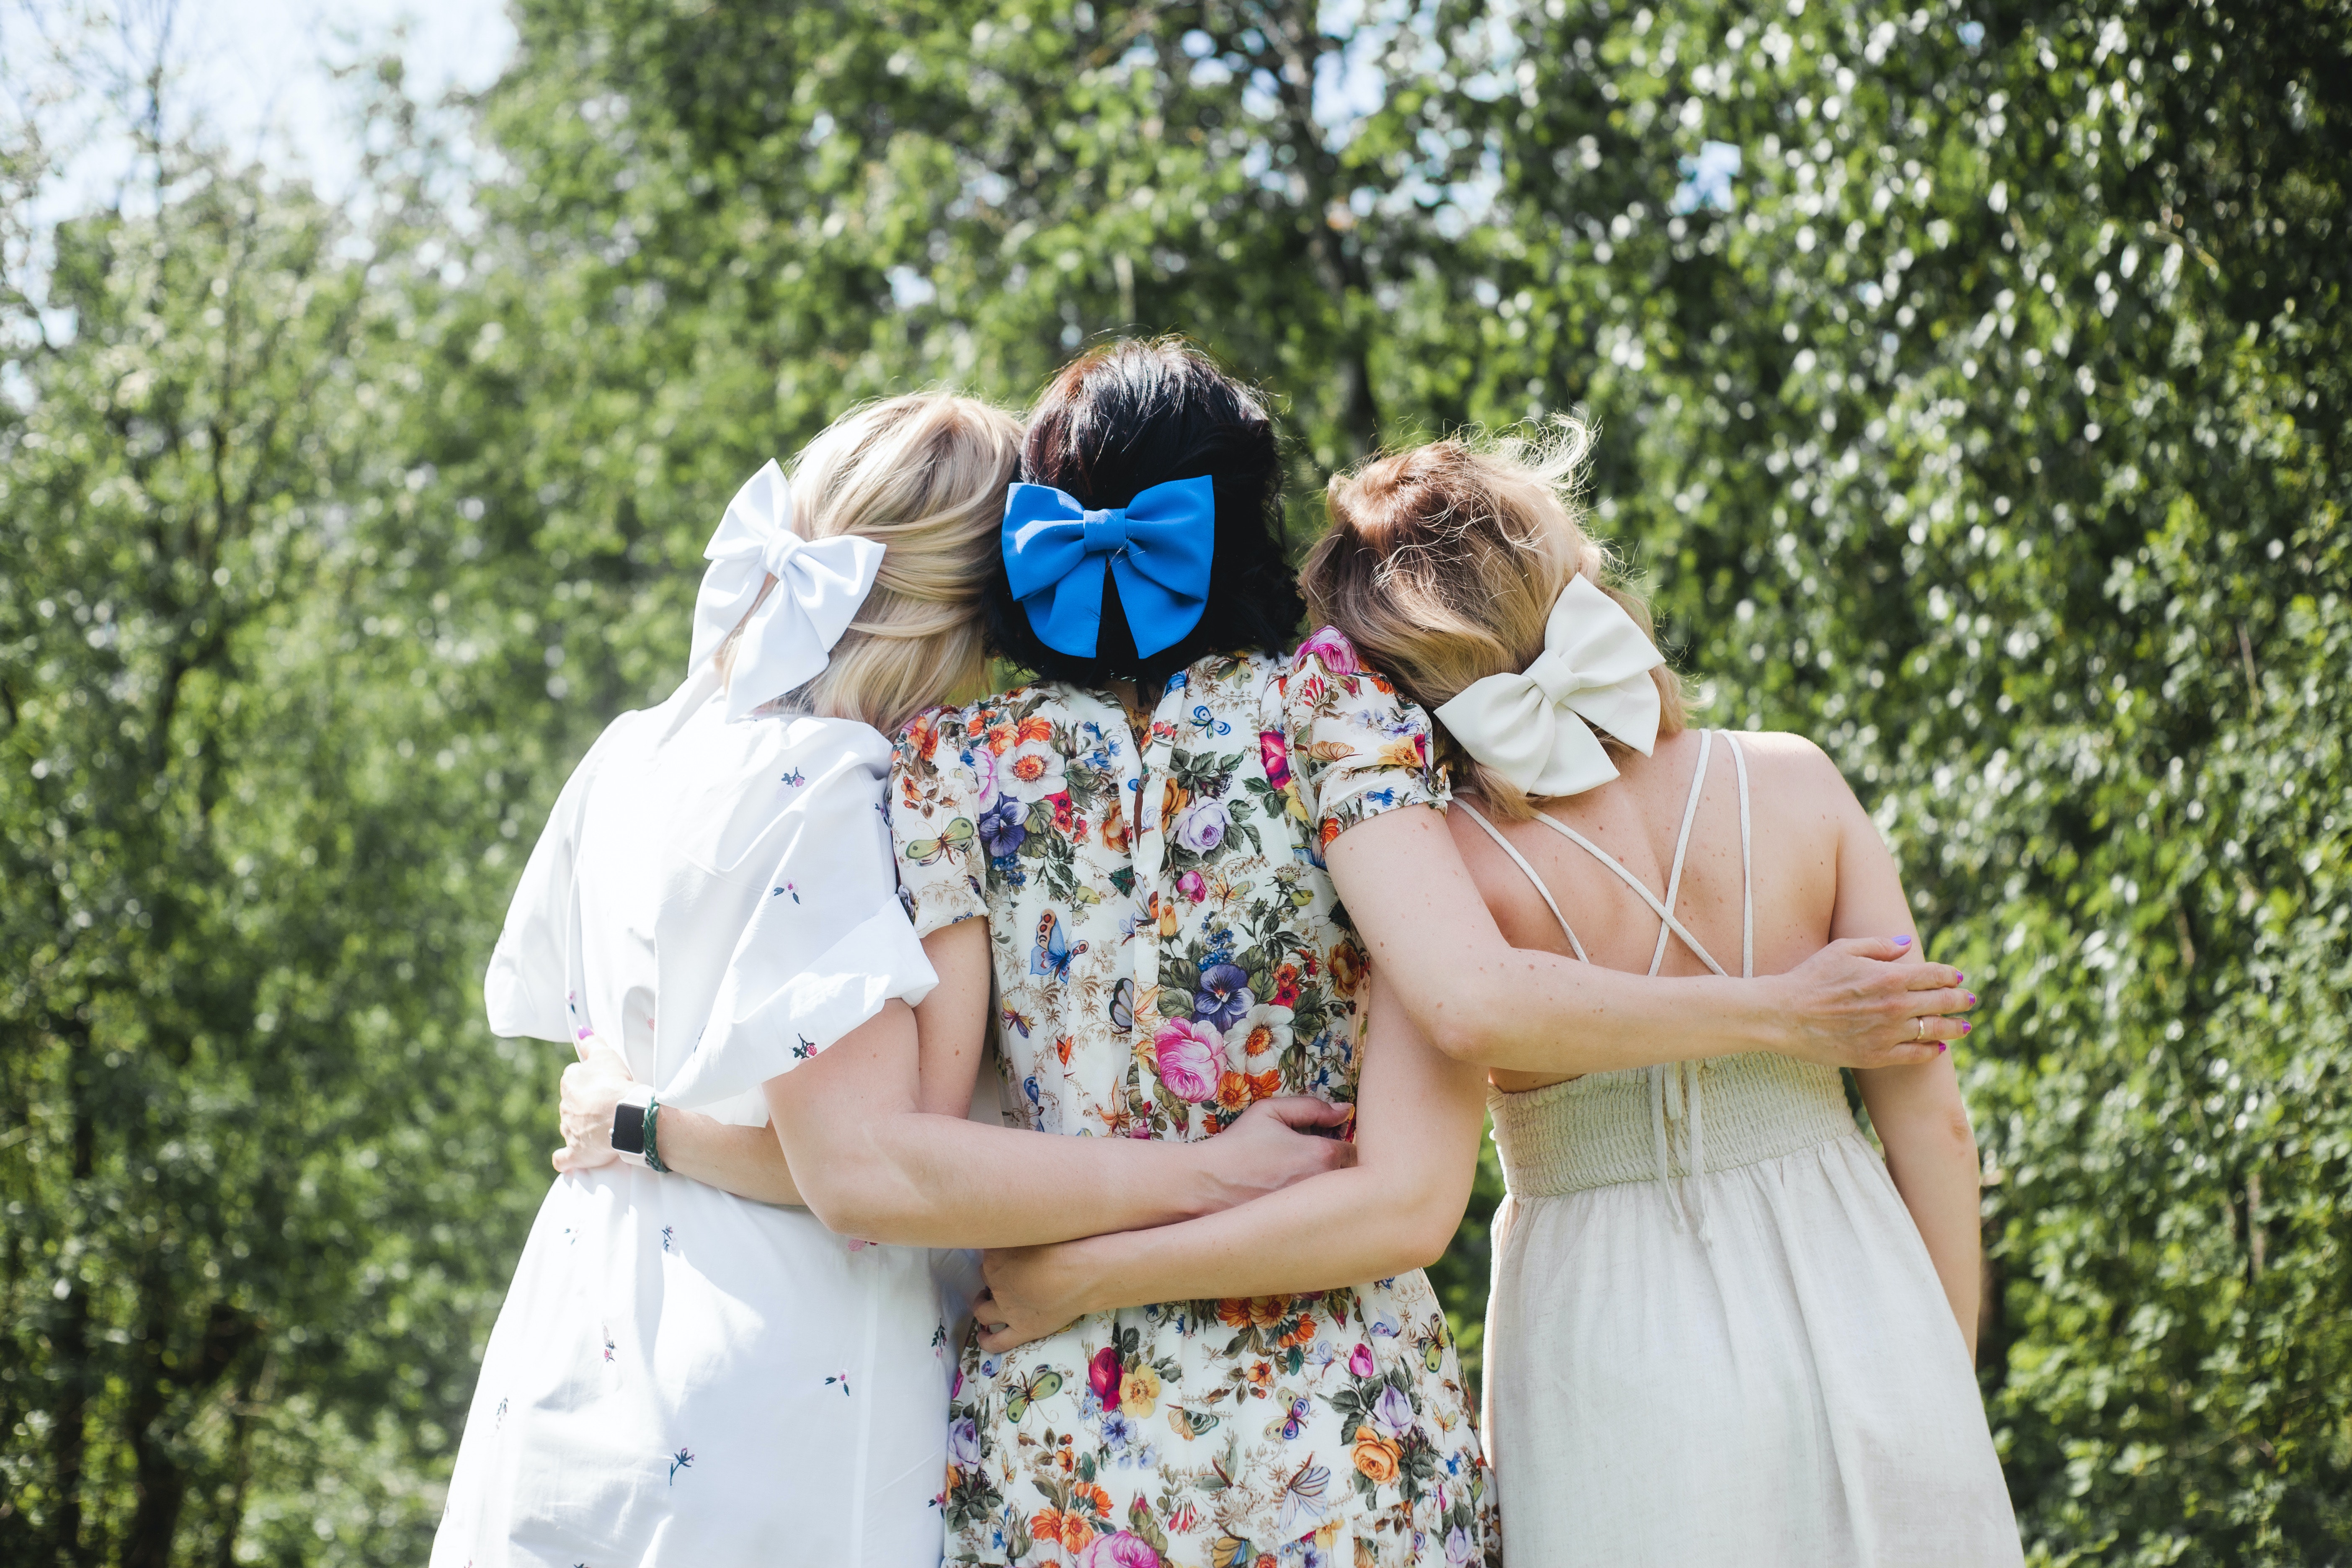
(1102, 1375)
(1338, 654)
(1119, 1550)
(1360, 1360)
(1191, 1055)
(1193, 885)
(1275, 756)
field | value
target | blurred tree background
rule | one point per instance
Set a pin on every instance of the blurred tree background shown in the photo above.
(1971, 380)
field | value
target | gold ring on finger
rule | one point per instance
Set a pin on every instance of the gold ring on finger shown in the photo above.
(1919, 1028)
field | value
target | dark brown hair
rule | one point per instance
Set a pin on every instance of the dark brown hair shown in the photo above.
(1118, 420)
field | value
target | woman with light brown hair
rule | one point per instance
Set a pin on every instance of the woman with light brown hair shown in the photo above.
(1721, 1330)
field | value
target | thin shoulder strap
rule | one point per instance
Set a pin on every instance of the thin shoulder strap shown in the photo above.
(1682, 843)
(1522, 862)
(1747, 866)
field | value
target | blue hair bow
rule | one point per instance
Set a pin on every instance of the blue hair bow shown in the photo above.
(1160, 546)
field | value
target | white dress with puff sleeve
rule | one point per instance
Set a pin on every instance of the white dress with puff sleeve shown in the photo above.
(680, 1375)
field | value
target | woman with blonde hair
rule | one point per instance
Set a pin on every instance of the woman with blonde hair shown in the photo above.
(1722, 1329)
(679, 1374)
(688, 1370)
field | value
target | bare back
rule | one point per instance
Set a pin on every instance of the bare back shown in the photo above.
(1802, 820)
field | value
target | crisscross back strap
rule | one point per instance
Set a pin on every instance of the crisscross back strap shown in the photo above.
(1684, 1075)
(1682, 848)
(1663, 909)
(1520, 860)
(1664, 914)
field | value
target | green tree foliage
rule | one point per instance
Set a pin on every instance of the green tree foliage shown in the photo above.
(245, 898)
(1995, 435)
(1971, 390)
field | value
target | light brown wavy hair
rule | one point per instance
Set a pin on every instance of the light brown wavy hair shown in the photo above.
(925, 476)
(1442, 565)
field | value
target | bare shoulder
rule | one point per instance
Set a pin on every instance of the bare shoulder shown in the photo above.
(1784, 757)
(1794, 773)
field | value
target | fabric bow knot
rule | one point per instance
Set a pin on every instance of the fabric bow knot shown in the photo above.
(1535, 728)
(1160, 546)
(820, 584)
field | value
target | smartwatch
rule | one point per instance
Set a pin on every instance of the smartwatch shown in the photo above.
(633, 1126)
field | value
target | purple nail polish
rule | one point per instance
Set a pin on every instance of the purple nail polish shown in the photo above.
(1966, 1027)
(1903, 942)
(1972, 998)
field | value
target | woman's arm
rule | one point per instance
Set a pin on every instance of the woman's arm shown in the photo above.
(745, 1160)
(1481, 1000)
(872, 1163)
(1916, 1111)
(952, 1023)
(1418, 1116)
(882, 1139)
(1932, 1154)
(878, 1128)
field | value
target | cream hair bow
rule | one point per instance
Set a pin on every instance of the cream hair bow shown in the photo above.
(820, 584)
(1535, 729)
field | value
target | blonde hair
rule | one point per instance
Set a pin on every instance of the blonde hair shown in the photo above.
(1441, 565)
(925, 474)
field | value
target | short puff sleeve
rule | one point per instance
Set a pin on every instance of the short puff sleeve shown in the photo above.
(1357, 748)
(827, 944)
(937, 809)
(534, 976)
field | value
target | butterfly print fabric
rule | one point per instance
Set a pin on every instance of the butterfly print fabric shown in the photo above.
(1167, 950)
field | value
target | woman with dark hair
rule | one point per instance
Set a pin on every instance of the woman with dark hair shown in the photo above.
(1114, 422)
(1167, 950)
(1132, 855)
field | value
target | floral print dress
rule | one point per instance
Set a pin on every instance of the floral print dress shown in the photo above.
(1167, 950)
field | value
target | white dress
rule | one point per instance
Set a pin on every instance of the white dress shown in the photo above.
(678, 1376)
(1728, 1346)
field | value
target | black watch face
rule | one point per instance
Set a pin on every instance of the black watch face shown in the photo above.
(629, 1128)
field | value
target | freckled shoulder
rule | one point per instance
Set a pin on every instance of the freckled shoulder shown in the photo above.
(1797, 787)
(1785, 763)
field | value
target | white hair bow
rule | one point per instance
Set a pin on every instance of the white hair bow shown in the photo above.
(820, 584)
(1536, 727)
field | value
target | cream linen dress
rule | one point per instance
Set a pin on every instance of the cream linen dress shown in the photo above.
(680, 1376)
(1716, 1336)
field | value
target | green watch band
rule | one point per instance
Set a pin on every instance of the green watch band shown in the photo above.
(653, 1125)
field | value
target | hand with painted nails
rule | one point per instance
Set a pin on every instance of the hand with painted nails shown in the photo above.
(1870, 1002)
